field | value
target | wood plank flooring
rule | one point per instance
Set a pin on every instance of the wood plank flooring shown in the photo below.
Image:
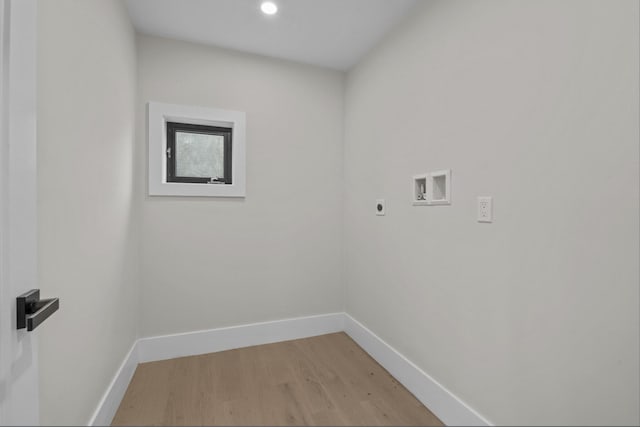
(324, 380)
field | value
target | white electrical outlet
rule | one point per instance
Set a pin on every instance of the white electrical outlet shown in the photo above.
(380, 208)
(485, 209)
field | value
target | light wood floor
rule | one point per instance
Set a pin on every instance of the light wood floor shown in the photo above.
(325, 380)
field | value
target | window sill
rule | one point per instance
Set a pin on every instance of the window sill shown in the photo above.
(196, 190)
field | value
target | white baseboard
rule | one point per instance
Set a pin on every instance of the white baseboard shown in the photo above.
(111, 399)
(208, 341)
(445, 405)
(212, 340)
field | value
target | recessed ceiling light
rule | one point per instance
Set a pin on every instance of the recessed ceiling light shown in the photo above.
(269, 8)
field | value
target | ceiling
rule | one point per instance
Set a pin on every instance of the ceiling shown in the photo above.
(328, 33)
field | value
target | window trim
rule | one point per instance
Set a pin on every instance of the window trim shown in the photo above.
(159, 114)
(225, 132)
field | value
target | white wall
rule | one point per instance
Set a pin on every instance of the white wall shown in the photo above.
(532, 319)
(88, 248)
(211, 262)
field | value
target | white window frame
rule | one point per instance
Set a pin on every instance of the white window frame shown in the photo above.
(159, 114)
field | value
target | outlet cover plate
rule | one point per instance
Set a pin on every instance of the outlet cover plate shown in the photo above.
(380, 207)
(485, 209)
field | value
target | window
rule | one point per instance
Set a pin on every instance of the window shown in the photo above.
(198, 154)
(196, 151)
